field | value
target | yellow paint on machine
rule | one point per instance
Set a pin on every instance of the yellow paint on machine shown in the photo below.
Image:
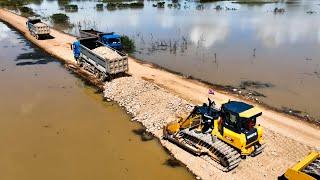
(296, 172)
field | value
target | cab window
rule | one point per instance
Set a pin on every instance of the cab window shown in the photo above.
(247, 124)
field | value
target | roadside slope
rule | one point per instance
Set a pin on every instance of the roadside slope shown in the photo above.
(288, 139)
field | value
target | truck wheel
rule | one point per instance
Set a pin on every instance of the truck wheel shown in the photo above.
(97, 74)
(103, 77)
(37, 36)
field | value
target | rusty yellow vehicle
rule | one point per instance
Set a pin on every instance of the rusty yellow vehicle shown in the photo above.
(306, 169)
(226, 135)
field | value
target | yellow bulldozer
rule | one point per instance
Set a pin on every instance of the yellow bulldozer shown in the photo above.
(226, 135)
(306, 169)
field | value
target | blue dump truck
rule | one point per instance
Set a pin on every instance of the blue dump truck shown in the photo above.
(102, 61)
(110, 39)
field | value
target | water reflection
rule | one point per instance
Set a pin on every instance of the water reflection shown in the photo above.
(218, 45)
(207, 35)
(275, 30)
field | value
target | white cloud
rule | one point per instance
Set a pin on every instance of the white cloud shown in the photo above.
(209, 34)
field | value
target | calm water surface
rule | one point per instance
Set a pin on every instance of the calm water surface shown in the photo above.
(52, 126)
(222, 47)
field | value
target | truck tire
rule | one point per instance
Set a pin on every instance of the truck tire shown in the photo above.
(103, 77)
(97, 74)
(37, 36)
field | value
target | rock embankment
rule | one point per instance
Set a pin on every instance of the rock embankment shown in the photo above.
(148, 103)
(154, 107)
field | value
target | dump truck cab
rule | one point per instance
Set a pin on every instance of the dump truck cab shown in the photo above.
(237, 126)
(112, 40)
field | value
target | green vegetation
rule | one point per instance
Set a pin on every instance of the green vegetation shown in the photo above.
(26, 11)
(99, 6)
(254, 2)
(71, 8)
(160, 4)
(128, 44)
(113, 6)
(60, 18)
(18, 3)
(207, 1)
(63, 2)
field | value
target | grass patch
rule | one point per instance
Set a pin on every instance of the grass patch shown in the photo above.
(71, 8)
(208, 1)
(99, 6)
(113, 6)
(160, 4)
(62, 3)
(254, 2)
(127, 44)
(26, 11)
(60, 18)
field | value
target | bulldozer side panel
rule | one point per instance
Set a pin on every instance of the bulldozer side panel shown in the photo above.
(237, 140)
(260, 133)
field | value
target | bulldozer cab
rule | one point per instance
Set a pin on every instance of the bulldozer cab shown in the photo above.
(239, 116)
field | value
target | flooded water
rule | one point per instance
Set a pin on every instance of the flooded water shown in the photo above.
(226, 47)
(53, 126)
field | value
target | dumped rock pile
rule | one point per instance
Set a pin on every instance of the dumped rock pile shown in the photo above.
(154, 107)
(107, 53)
(148, 103)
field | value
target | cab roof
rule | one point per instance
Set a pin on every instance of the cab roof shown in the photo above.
(242, 109)
(111, 35)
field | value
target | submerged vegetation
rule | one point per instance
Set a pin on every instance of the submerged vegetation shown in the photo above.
(253, 2)
(60, 18)
(113, 5)
(26, 11)
(99, 6)
(71, 8)
(128, 44)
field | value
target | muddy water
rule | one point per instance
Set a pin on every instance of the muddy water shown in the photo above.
(52, 126)
(227, 47)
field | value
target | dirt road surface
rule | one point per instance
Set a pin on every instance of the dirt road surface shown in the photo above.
(288, 139)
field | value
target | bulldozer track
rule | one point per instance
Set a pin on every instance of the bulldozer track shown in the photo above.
(313, 168)
(217, 150)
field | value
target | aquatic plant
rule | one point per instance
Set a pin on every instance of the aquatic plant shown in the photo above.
(60, 18)
(63, 2)
(71, 8)
(14, 3)
(112, 6)
(254, 2)
(127, 43)
(26, 11)
(99, 6)
(206, 1)
(161, 4)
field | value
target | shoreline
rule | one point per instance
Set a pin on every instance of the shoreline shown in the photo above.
(281, 126)
(228, 90)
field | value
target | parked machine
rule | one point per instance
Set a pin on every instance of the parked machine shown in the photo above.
(112, 39)
(99, 59)
(37, 28)
(306, 169)
(225, 135)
